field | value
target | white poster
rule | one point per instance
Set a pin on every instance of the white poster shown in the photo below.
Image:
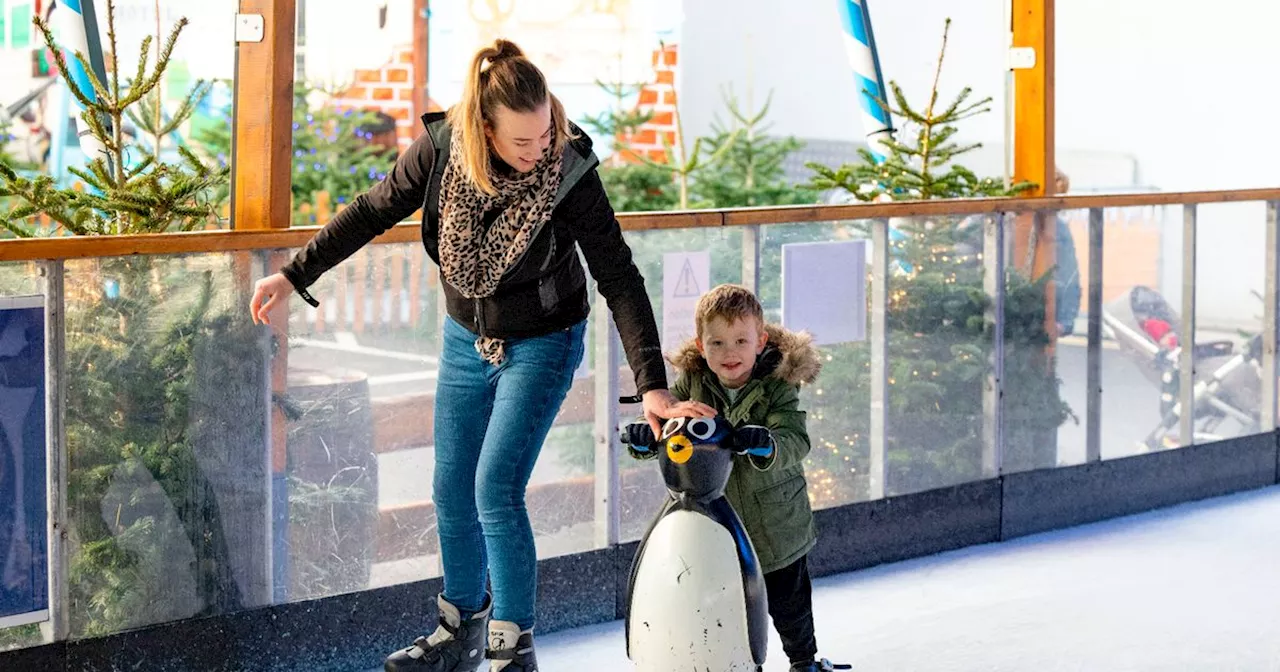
(685, 277)
(824, 290)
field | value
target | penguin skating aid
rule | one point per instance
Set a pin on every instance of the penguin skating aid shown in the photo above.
(696, 598)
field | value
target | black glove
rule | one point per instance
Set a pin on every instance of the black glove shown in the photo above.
(640, 441)
(753, 440)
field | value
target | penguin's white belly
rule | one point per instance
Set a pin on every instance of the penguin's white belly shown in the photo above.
(688, 609)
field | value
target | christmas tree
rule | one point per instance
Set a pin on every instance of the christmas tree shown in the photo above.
(163, 370)
(923, 168)
(940, 341)
(125, 194)
(632, 185)
(333, 151)
(749, 171)
(6, 202)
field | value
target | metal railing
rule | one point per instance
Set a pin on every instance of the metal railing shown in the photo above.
(52, 254)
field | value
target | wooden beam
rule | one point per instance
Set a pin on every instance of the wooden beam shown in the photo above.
(79, 247)
(1034, 248)
(421, 40)
(1033, 27)
(261, 166)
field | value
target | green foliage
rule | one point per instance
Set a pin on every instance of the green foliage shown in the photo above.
(639, 188)
(919, 169)
(618, 120)
(126, 191)
(940, 334)
(149, 539)
(332, 151)
(159, 365)
(20, 637)
(632, 187)
(749, 171)
(6, 200)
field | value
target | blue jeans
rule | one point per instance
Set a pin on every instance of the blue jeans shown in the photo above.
(490, 422)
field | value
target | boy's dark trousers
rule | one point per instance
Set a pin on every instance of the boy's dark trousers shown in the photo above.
(791, 607)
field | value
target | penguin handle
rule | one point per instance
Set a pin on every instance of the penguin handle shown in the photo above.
(640, 441)
(756, 442)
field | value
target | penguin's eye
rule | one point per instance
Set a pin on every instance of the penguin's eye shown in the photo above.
(701, 428)
(673, 425)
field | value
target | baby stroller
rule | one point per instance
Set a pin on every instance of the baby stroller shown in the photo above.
(1228, 382)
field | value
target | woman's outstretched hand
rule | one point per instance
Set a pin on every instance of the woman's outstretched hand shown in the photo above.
(266, 293)
(660, 405)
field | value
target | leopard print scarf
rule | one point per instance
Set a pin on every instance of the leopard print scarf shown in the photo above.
(473, 258)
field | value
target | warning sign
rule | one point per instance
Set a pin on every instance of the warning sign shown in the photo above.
(685, 277)
(687, 284)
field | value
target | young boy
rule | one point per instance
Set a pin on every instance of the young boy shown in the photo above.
(750, 372)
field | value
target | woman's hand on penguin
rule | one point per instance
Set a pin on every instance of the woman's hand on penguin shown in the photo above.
(660, 405)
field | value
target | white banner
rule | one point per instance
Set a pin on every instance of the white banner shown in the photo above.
(824, 290)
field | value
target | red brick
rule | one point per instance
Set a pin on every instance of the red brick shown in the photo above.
(668, 97)
(383, 93)
(406, 94)
(663, 119)
(397, 75)
(657, 155)
(648, 97)
(406, 56)
(646, 136)
(670, 57)
(356, 93)
(368, 76)
(399, 113)
(667, 77)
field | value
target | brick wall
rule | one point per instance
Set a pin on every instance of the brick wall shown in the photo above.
(658, 97)
(388, 89)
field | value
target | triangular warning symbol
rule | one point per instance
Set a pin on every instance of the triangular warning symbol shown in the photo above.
(687, 285)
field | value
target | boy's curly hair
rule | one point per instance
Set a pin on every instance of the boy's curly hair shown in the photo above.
(727, 302)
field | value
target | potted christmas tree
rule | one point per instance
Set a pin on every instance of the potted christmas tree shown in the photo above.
(939, 340)
(165, 410)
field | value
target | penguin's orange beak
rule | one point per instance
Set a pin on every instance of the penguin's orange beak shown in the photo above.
(679, 449)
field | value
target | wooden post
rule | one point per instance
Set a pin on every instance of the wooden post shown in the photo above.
(1034, 249)
(1033, 95)
(421, 38)
(263, 120)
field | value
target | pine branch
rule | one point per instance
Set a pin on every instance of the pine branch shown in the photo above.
(90, 178)
(93, 121)
(188, 106)
(16, 229)
(105, 102)
(101, 179)
(115, 49)
(162, 64)
(904, 108)
(23, 212)
(138, 121)
(937, 73)
(62, 64)
(143, 58)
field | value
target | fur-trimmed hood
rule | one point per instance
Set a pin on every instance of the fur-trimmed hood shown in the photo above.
(789, 356)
